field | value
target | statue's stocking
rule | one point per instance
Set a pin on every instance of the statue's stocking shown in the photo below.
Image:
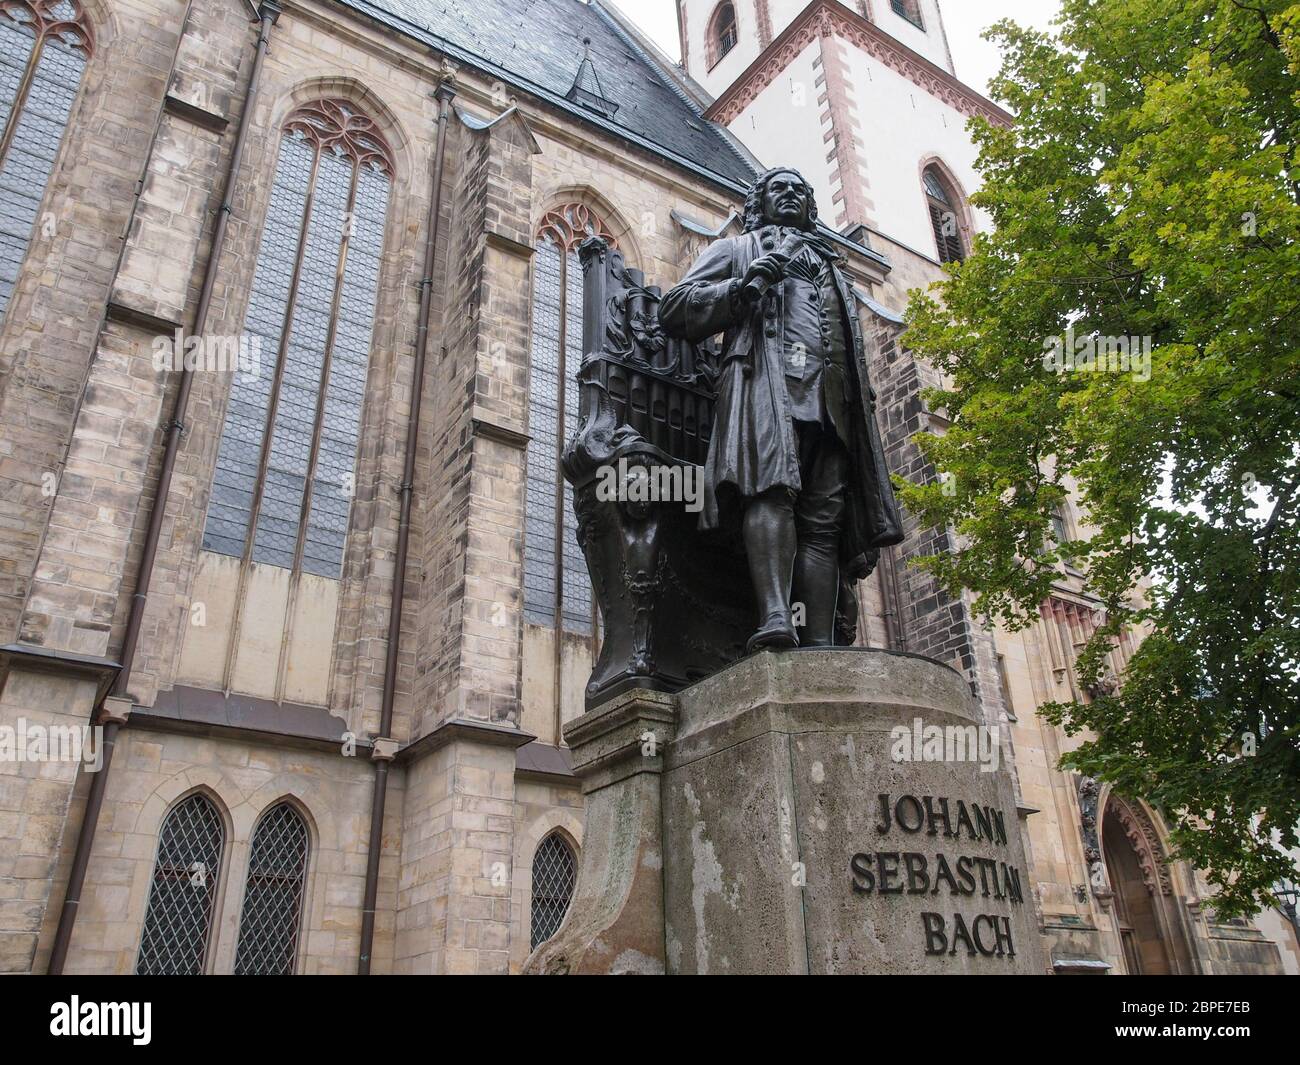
(816, 587)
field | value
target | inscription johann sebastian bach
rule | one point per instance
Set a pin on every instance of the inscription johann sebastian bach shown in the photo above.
(898, 872)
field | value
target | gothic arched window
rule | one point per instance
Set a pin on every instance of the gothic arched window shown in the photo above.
(178, 922)
(44, 46)
(555, 572)
(944, 219)
(723, 32)
(555, 871)
(283, 483)
(273, 895)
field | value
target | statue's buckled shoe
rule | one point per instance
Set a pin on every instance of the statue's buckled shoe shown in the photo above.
(775, 634)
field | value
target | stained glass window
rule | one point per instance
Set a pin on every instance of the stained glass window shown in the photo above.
(273, 895)
(555, 571)
(283, 483)
(44, 46)
(178, 922)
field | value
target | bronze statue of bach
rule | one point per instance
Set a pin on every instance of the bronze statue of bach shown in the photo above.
(795, 457)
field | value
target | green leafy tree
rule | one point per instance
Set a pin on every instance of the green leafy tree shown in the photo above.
(1149, 188)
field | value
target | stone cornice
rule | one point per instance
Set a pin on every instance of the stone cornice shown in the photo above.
(54, 660)
(825, 17)
(65, 663)
(463, 730)
(502, 434)
(204, 712)
(508, 244)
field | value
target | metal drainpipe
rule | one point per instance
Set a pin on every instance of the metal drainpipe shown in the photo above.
(269, 12)
(900, 625)
(443, 95)
(887, 610)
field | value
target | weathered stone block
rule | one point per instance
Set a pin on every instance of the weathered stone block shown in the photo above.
(773, 825)
(796, 840)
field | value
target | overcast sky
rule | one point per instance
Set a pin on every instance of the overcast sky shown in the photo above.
(976, 60)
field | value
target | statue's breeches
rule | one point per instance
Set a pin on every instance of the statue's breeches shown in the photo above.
(824, 472)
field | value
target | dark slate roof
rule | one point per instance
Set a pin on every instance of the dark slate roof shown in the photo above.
(537, 757)
(538, 45)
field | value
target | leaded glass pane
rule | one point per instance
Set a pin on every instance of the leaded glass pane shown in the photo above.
(298, 401)
(288, 460)
(15, 50)
(555, 871)
(235, 478)
(179, 918)
(543, 445)
(273, 895)
(333, 483)
(577, 582)
(935, 187)
(30, 159)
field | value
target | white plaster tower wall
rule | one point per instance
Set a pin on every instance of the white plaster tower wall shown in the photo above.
(759, 22)
(859, 111)
(784, 126)
(928, 39)
(902, 127)
(701, 55)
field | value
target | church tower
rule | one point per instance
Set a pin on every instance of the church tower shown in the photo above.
(862, 97)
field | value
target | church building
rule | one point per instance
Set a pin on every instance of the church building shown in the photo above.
(290, 316)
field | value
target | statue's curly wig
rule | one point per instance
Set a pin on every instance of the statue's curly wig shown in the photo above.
(754, 199)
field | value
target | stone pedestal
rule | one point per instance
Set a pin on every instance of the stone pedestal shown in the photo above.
(815, 811)
(615, 923)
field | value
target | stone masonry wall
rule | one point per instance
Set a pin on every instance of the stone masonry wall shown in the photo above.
(48, 334)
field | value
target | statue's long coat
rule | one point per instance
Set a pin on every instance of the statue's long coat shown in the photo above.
(753, 446)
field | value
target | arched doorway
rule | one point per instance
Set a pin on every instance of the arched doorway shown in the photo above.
(1145, 907)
